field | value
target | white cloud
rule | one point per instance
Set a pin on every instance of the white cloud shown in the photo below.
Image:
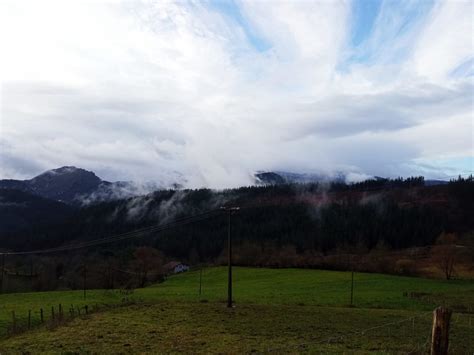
(446, 41)
(145, 89)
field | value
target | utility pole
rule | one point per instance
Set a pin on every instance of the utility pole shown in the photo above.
(230, 211)
(352, 286)
(200, 280)
(3, 272)
(84, 279)
(31, 274)
(352, 281)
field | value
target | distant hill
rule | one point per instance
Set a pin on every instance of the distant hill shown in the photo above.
(435, 182)
(285, 177)
(76, 186)
(269, 178)
(63, 184)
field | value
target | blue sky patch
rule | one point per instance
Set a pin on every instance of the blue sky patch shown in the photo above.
(230, 9)
(376, 25)
(364, 13)
(464, 69)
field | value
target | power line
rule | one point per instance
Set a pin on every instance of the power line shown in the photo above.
(138, 233)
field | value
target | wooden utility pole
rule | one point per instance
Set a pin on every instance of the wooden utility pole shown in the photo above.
(352, 280)
(3, 272)
(200, 281)
(84, 279)
(230, 211)
(352, 287)
(440, 331)
(31, 273)
(229, 261)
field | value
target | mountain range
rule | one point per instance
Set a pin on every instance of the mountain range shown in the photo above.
(78, 187)
(61, 204)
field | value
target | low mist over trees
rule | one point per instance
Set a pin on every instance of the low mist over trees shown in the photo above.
(277, 225)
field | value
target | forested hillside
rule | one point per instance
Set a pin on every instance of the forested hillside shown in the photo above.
(397, 214)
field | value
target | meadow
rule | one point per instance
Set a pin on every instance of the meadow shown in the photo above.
(282, 310)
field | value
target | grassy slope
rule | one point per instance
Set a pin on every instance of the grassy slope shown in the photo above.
(314, 287)
(274, 308)
(189, 327)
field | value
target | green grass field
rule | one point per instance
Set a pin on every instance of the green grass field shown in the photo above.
(282, 310)
(315, 287)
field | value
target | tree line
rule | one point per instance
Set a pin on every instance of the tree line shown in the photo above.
(278, 225)
(306, 216)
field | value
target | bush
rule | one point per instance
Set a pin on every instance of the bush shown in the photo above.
(405, 267)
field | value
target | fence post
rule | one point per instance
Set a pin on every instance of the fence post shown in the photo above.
(41, 315)
(52, 313)
(60, 312)
(29, 319)
(86, 308)
(440, 331)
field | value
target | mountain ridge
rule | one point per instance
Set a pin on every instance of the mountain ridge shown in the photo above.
(77, 186)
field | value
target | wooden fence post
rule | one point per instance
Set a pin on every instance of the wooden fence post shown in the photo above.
(440, 331)
(41, 315)
(52, 313)
(29, 319)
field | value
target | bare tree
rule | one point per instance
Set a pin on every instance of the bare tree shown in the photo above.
(445, 254)
(146, 260)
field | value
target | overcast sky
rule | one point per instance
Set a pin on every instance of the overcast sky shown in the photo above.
(216, 90)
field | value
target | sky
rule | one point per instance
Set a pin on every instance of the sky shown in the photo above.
(210, 92)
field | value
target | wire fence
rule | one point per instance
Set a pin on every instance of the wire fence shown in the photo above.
(53, 316)
(338, 339)
(59, 315)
